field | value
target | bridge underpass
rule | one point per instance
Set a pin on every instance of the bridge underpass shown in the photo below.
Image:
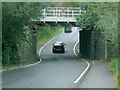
(88, 47)
(66, 17)
(53, 16)
(34, 76)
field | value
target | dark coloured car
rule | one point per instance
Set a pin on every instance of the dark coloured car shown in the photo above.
(58, 47)
(67, 30)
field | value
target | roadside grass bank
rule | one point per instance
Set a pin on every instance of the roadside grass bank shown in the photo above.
(44, 34)
(114, 69)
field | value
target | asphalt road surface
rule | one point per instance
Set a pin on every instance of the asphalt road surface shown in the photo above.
(55, 71)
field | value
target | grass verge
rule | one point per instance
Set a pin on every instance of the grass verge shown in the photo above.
(115, 70)
(44, 34)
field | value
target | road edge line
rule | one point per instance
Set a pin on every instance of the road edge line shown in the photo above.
(34, 63)
(21, 66)
(85, 70)
(45, 45)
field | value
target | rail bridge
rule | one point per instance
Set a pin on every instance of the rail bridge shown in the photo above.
(60, 14)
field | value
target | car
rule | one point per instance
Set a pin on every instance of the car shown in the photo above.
(67, 30)
(58, 47)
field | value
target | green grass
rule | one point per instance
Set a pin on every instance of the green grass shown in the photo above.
(47, 34)
(115, 71)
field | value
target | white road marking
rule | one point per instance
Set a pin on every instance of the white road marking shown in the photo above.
(74, 48)
(45, 45)
(22, 66)
(88, 66)
(31, 64)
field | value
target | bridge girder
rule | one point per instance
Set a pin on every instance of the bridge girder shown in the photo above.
(70, 24)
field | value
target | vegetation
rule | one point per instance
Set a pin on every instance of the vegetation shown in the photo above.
(16, 34)
(103, 17)
(10, 21)
(46, 33)
(114, 68)
(109, 29)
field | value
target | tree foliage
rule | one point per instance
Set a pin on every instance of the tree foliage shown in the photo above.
(102, 17)
(15, 17)
(88, 21)
(12, 31)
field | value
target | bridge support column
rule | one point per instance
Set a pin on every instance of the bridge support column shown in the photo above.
(92, 45)
(86, 44)
(33, 43)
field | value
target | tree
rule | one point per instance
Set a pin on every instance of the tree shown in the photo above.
(91, 44)
(17, 36)
(15, 16)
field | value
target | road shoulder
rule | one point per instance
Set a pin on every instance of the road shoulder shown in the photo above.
(99, 76)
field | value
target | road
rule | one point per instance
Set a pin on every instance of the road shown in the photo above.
(99, 76)
(55, 70)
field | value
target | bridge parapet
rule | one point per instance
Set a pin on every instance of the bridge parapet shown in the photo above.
(58, 19)
(60, 14)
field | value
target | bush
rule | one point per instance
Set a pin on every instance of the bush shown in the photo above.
(114, 69)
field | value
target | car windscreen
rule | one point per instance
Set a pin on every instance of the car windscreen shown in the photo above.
(57, 47)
